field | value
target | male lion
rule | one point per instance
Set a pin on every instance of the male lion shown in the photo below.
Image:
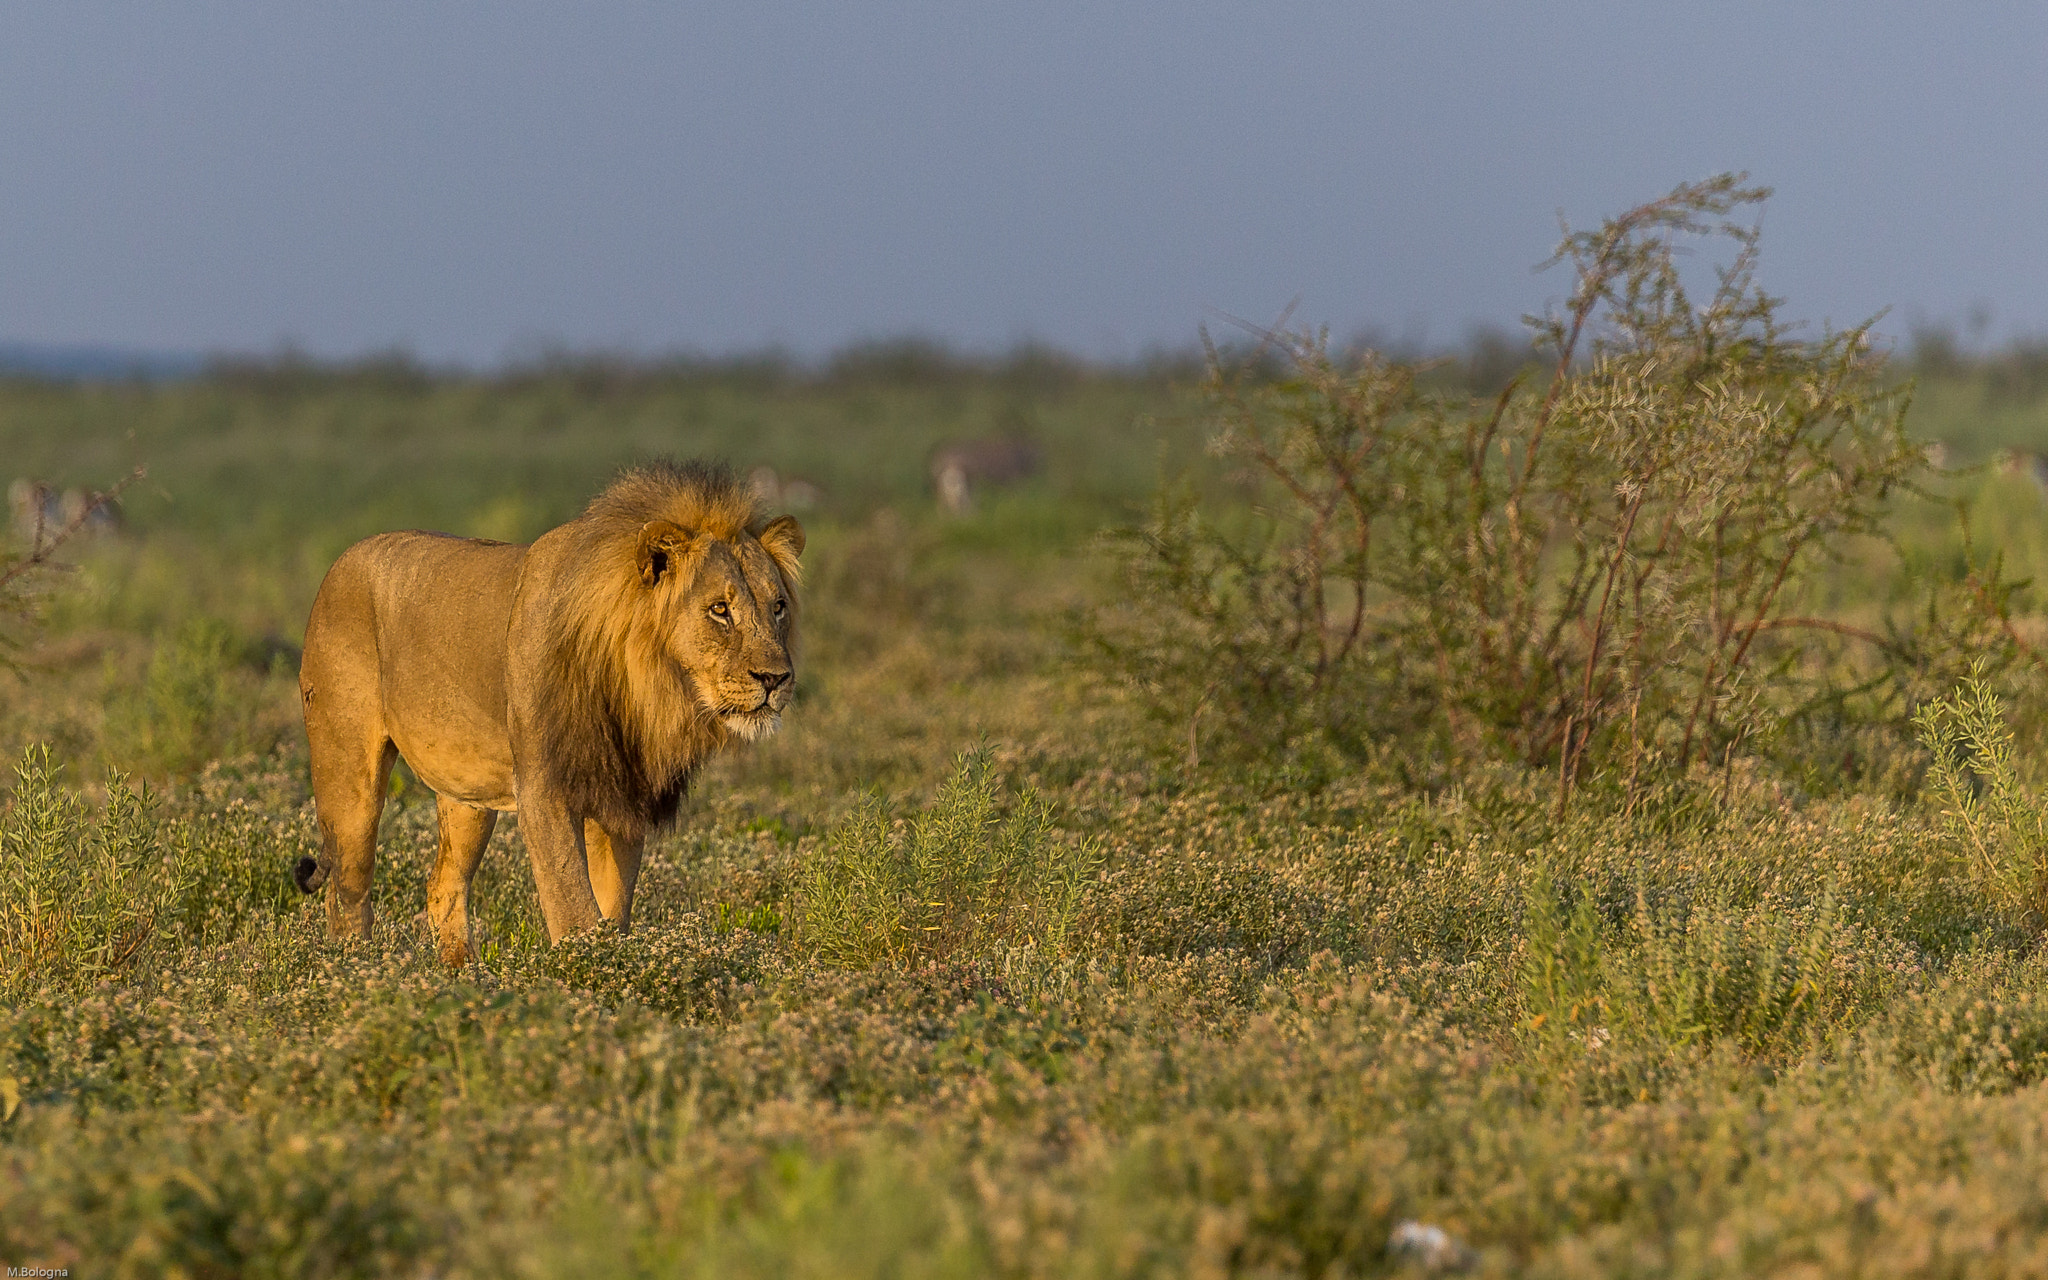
(579, 681)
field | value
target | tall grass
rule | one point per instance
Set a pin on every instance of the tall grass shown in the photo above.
(977, 874)
(189, 707)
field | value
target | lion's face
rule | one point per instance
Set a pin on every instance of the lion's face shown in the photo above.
(730, 622)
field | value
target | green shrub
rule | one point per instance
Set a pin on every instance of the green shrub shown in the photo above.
(1562, 987)
(1771, 979)
(83, 896)
(1986, 809)
(975, 874)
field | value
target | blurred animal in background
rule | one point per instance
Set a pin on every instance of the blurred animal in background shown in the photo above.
(41, 513)
(788, 492)
(964, 468)
(2020, 462)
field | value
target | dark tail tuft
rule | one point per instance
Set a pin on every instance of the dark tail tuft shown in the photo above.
(308, 875)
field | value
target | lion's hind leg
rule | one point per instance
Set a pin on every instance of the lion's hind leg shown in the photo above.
(352, 756)
(348, 795)
(465, 832)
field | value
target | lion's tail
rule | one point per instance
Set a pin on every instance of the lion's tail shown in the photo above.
(308, 874)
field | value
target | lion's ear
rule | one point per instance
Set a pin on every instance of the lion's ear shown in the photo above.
(661, 546)
(784, 540)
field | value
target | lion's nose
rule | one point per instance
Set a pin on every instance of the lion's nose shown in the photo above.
(772, 680)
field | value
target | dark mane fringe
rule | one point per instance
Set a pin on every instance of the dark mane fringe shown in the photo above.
(627, 726)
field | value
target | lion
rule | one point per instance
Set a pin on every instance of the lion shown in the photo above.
(578, 681)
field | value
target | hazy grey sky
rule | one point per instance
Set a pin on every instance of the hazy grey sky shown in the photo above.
(471, 180)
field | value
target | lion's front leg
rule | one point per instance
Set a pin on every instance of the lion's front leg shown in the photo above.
(561, 871)
(614, 869)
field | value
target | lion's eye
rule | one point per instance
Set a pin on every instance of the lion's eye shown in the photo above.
(721, 611)
(781, 607)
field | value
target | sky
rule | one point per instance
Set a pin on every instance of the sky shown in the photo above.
(477, 183)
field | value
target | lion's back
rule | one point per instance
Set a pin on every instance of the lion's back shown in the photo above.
(396, 590)
(408, 632)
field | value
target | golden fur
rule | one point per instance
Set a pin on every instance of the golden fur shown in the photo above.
(580, 680)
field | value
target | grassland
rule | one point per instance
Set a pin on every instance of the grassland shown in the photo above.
(1775, 1022)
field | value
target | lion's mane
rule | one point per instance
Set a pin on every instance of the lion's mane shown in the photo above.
(626, 724)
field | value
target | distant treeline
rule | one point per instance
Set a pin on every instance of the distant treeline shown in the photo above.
(897, 361)
(1483, 363)
(2016, 373)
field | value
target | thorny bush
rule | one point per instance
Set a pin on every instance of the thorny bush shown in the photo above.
(1604, 568)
